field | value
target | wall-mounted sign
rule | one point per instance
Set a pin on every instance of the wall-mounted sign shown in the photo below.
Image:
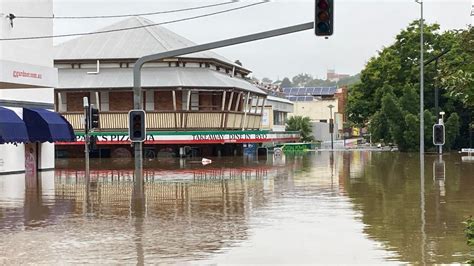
(208, 137)
(21, 75)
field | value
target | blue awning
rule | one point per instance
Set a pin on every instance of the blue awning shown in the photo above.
(44, 125)
(12, 128)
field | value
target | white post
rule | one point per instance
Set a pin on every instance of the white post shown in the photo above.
(422, 127)
(85, 101)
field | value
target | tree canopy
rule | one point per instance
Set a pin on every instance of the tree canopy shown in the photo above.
(387, 96)
(301, 124)
(307, 80)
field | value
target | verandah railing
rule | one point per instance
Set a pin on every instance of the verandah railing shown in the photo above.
(174, 120)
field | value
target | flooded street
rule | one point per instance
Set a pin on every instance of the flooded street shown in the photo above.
(341, 207)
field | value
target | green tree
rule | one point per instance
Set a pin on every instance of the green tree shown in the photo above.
(301, 80)
(286, 83)
(378, 129)
(410, 100)
(395, 71)
(430, 120)
(301, 124)
(457, 72)
(411, 134)
(451, 130)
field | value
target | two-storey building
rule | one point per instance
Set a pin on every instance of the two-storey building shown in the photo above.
(200, 101)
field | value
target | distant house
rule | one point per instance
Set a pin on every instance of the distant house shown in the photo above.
(331, 75)
(314, 102)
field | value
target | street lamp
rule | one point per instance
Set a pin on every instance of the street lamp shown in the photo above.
(422, 133)
(331, 126)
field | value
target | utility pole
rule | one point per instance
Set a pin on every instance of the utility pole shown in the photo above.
(422, 87)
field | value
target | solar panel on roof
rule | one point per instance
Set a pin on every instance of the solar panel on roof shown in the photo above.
(292, 98)
(286, 90)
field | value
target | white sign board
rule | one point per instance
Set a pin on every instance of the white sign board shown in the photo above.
(21, 75)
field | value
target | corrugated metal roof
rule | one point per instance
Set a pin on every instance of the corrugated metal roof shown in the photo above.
(279, 99)
(156, 77)
(128, 44)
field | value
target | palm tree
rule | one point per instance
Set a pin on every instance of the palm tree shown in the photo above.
(301, 124)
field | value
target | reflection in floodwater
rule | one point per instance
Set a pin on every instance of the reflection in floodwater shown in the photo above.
(418, 217)
(339, 207)
(178, 216)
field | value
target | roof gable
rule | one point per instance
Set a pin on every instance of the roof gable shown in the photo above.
(128, 44)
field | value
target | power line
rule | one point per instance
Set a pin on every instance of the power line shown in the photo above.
(128, 15)
(133, 28)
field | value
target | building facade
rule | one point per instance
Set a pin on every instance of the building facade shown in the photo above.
(192, 100)
(331, 75)
(27, 78)
(314, 103)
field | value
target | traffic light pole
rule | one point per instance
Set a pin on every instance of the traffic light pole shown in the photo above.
(137, 91)
(86, 138)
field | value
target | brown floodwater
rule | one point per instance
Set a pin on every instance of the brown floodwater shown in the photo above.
(323, 207)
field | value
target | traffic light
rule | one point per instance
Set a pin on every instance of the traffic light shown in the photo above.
(136, 125)
(324, 18)
(94, 117)
(438, 134)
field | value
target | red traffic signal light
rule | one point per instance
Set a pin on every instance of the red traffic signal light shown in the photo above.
(324, 18)
(323, 4)
(136, 125)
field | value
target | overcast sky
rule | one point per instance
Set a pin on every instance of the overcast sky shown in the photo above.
(361, 29)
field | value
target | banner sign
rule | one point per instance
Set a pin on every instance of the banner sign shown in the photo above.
(211, 137)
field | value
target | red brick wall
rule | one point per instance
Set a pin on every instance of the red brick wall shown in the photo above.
(163, 101)
(121, 101)
(342, 101)
(75, 101)
(205, 101)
